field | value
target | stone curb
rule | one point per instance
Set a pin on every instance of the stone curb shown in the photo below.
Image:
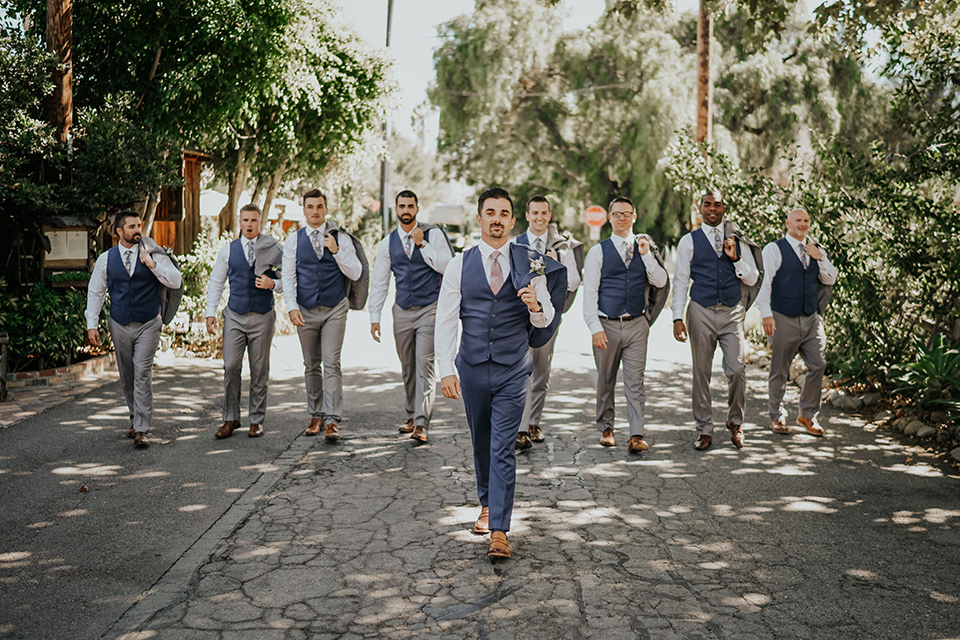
(46, 377)
(171, 589)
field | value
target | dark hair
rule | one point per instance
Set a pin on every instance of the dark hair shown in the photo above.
(711, 192)
(406, 193)
(314, 193)
(622, 199)
(251, 207)
(121, 216)
(537, 199)
(495, 193)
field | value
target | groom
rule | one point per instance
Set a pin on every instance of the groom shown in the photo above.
(508, 298)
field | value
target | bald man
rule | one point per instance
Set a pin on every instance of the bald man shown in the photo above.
(794, 268)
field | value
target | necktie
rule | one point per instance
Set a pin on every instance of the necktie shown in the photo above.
(717, 242)
(128, 260)
(539, 246)
(627, 254)
(317, 242)
(250, 253)
(804, 258)
(496, 273)
(408, 246)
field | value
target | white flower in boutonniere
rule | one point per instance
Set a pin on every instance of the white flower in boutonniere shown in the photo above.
(537, 266)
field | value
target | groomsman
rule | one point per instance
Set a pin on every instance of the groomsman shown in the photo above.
(417, 260)
(616, 275)
(250, 263)
(134, 277)
(316, 266)
(794, 268)
(712, 264)
(544, 238)
(506, 296)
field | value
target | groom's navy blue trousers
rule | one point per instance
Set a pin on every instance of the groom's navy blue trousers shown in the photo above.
(493, 397)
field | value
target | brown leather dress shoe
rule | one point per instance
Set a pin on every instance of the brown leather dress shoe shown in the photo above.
(812, 426)
(637, 444)
(406, 428)
(736, 435)
(777, 426)
(606, 438)
(316, 424)
(419, 433)
(140, 439)
(131, 433)
(523, 441)
(256, 430)
(535, 433)
(226, 429)
(499, 547)
(703, 442)
(482, 525)
(332, 432)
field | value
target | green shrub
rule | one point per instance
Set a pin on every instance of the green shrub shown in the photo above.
(933, 378)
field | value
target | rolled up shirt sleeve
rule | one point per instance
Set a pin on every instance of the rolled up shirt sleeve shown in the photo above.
(346, 257)
(544, 317)
(746, 266)
(167, 274)
(656, 275)
(435, 251)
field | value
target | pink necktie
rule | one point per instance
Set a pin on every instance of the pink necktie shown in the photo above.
(496, 273)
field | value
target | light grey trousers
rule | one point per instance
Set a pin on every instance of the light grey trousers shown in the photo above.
(251, 332)
(413, 331)
(626, 343)
(803, 335)
(539, 383)
(707, 327)
(321, 340)
(135, 345)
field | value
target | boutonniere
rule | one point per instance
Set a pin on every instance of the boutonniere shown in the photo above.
(537, 266)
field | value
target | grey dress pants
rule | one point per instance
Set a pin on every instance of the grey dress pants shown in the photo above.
(413, 331)
(626, 343)
(708, 327)
(321, 340)
(135, 345)
(803, 335)
(251, 332)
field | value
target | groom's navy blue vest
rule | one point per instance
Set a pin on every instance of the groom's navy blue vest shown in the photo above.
(714, 277)
(622, 291)
(418, 285)
(133, 298)
(794, 289)
(495, 327)
(319, 281)
(244, 295)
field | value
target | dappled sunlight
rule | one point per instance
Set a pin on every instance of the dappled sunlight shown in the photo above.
(192, 507)
(88, 469)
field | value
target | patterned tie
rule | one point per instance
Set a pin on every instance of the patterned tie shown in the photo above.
(408, 246)
(539, 246)
(717, 242)
(250, 253)
(317, 242)
(627, 254)
(128, 260)
(496, 273)
(804, 258)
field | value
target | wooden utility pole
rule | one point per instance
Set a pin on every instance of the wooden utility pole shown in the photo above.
(384, 175)
(704, 83)
(60, 41)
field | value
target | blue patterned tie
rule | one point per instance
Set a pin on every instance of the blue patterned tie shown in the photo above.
(408, 246)
(250, 253)
(128, 260)
(717, 242)
(317, 242)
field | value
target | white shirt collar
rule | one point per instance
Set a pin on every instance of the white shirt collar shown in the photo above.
(534, 238)
(707, 228)
(623, 241)
(486, 250)
(403, 234)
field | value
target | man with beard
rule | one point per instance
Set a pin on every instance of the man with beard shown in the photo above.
(712, 264)
(505, 296)
(417, 260)
(315, 267)
(794, 268)
(251, 263)
(133, 277)
(544, 238)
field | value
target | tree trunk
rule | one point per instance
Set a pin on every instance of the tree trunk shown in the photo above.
(704, 83)
(238, 181)
(60, 42)
(150, 212)
(255, 195)
(272, 189)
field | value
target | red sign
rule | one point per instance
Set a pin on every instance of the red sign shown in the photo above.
(595, 215)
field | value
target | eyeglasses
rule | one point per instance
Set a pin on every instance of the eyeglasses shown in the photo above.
(621, 214)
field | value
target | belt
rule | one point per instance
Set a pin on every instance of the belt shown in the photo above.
(621, 318)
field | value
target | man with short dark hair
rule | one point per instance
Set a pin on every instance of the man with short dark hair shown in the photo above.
(712, 263)
(251, 263)
(505, 297)
(794, 268)
(315, 268)
(417, 260)
(616, 276)
(544, 238)
(133, 276)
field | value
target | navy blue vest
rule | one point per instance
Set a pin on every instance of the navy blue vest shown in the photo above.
(494, 327)
(132, 298)
(794, 289)
(417, 283)
(714, 278)
(319, 282)
(622, 291)
(244, 295)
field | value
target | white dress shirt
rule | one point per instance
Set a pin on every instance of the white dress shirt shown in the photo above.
(435, 253)
(564, 256)
(745, 267)
(166, 273)
(218, 277)
(346, 257)
(771, 264)
(448, 307)
(593, 263)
